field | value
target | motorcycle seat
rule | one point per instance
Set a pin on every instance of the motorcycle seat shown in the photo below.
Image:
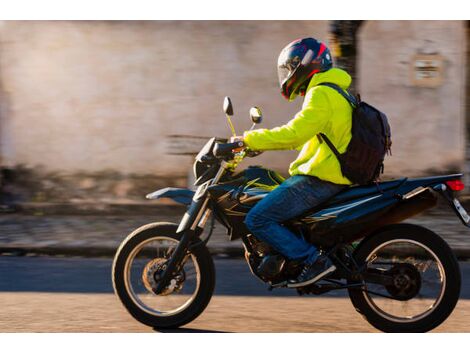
(355, 192)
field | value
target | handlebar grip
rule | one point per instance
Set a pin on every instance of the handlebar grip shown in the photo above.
(225, 149)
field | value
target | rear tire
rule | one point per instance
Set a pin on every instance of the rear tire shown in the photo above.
(204, 292)
(450, 267)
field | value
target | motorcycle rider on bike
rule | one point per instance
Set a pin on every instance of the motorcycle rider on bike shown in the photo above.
(315, 174)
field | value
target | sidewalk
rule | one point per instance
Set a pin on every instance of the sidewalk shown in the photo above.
(86, 235)
(92, 235)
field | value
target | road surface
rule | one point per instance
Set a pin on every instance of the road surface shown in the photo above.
(48, 294)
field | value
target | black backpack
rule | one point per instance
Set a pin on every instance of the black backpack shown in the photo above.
(362, 162)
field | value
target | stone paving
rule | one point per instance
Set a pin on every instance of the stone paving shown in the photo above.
(84, 235)
(101, 235)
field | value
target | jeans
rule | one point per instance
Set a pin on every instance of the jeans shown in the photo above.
(292, 198)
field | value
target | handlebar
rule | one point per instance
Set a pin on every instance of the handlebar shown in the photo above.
(226, 149)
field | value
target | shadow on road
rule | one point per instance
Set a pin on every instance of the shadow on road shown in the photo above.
(93, 275)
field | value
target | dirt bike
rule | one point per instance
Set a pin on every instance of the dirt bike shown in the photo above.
(400, 277)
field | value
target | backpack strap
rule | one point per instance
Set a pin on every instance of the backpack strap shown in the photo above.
(351, 100)
(321, 136)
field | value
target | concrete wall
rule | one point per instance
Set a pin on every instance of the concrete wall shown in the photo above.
(428, 124)
(103, 95)
(86, 107)
(91, 97)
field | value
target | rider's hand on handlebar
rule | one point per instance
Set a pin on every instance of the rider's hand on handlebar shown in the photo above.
(236, 139)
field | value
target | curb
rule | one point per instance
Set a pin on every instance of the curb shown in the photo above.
(90, 252)
(130, 208)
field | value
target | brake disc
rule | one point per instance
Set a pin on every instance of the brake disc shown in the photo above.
(152, 273)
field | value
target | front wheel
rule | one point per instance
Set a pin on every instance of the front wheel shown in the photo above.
(137, 266)
(422, 279)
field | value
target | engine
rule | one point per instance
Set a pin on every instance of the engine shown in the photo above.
(266, 263)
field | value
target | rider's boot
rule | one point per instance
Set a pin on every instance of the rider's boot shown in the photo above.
(313, 272)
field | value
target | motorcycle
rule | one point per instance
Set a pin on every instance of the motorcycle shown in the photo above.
(400, 277)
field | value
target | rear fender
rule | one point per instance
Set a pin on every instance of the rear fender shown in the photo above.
(413, 185)
(179, 195)
(438, 184)
(454, 203)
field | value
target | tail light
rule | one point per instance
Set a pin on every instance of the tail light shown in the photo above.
(455, 185)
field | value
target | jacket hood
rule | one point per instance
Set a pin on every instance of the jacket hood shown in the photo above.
(334, 75)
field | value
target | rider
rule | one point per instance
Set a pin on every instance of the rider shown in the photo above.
(315, 174)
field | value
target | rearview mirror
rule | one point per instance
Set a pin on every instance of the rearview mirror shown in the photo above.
(256, 115)
(228, 108)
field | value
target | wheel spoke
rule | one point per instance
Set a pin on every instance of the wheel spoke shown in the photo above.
(418, 283)
(143, 270)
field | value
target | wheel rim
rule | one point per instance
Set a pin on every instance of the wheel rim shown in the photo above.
(148, 255)
(398, 256)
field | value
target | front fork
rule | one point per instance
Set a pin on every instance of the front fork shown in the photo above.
(194, 218)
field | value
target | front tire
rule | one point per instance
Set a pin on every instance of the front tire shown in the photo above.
(121, 276)
(447, 267)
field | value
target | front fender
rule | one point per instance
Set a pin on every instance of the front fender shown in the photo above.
(179, 195)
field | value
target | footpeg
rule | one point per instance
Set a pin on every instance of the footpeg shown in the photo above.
(277, 285)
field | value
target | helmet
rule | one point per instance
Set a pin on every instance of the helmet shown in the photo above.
(298, 62)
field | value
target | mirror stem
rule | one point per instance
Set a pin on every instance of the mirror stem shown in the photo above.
(231, 125)
(252, 126)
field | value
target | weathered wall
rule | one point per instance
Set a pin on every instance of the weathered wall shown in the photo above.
(428, 124)
(86, 97)
(86, 107)
(93, 96)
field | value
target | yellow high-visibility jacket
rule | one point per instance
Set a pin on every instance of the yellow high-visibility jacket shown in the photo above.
(323, 110)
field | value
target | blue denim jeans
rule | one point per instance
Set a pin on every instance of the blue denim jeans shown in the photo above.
(292, 198)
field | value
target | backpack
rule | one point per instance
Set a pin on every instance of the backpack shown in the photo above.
(362, 162)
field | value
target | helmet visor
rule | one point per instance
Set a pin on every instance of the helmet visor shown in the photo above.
(287, 63)
(283, 72)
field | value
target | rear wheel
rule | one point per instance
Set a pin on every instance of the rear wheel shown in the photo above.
(138, 264)
(423, 284)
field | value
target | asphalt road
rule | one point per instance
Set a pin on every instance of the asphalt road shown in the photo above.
(46, 294)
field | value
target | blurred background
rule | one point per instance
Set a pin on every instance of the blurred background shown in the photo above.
(104, 112)
(96, 114)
